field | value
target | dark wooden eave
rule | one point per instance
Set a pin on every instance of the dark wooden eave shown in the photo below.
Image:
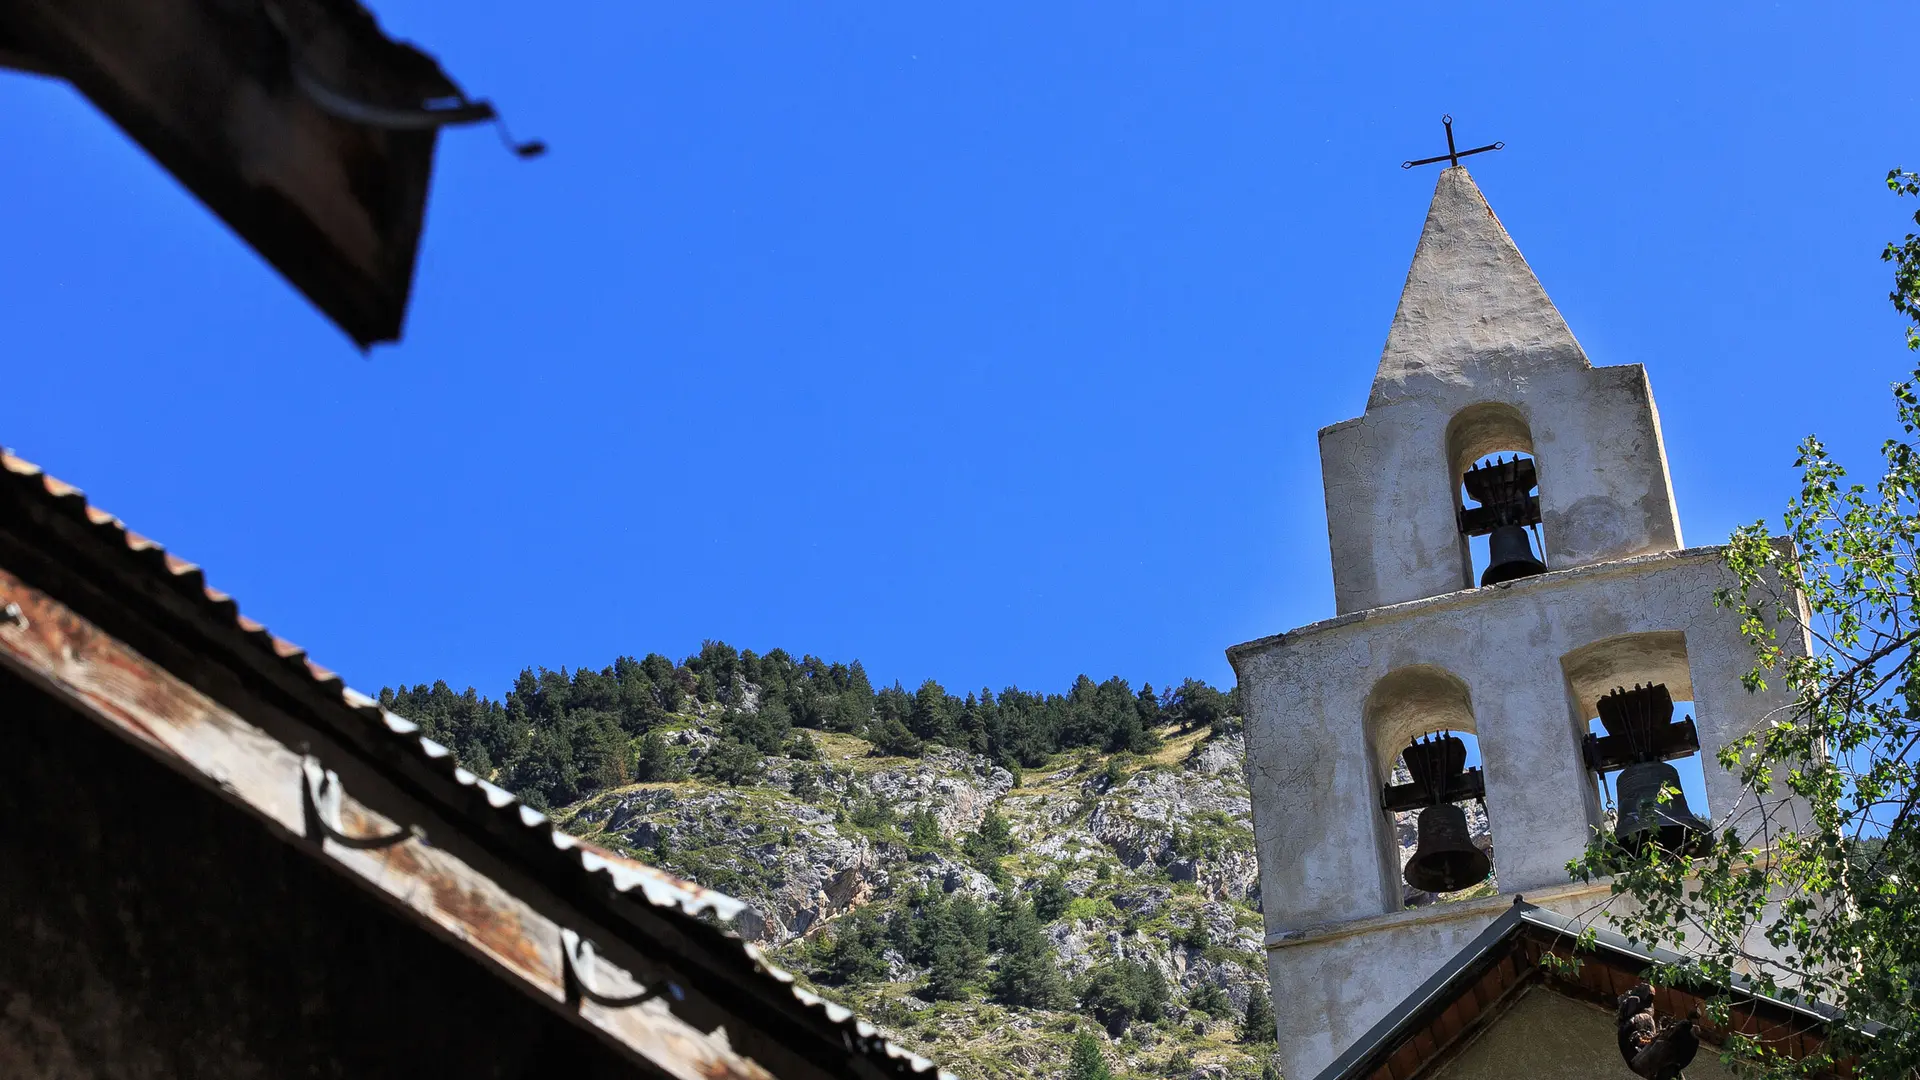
(219, 92)
(1433, 1023)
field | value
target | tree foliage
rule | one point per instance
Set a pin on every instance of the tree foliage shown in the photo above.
(1029, 973)
(855, 952)
(1208, 998)
(923, 832)
(948, 935)
(1257, 1024)
(1826, 879)
(1120, 992)
(1088, 1061)
(1051, 897)
(561, 735)
(658, 762)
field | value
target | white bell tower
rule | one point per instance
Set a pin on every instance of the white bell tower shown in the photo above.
(1479, 366)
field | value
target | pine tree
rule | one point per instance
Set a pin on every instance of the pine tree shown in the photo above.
(1148, 706)
(1120, 992)
(855, 953)
(992, 839)
(805, 784)
(1029, 975)
(658, 762)
(801, 747)
(923, 832)
(1051, 897)
(600, 750)
(1210, 999)
(931, 714)
(1258, 1026)
(891, 738)
(849, 713)
(732, 763)
(544, 773)
(765, 729)
(957, 948)
(1088, 1063)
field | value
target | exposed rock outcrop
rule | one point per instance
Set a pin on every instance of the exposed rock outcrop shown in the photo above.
(1155, 854)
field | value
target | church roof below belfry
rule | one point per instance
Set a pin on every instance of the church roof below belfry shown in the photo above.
(1470, 300)
(1426, 1031)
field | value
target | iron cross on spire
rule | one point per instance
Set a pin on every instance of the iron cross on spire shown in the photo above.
(1452, 155)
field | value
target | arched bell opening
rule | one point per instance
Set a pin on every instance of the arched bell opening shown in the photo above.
(1632, 701)
(1435, 844)
(1688, 771)
(1490, 453)
(1437, 795)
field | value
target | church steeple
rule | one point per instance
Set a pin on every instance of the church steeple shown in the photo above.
(1470, 301)
(1429, 651)
(1479, 362)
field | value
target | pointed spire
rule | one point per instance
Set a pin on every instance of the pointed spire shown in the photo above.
(1472, 308)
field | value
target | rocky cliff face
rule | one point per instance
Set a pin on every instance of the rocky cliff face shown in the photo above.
(1155, 853)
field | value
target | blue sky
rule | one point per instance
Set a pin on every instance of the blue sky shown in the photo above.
(985, 344)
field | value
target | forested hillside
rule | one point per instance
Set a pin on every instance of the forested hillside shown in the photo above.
(1018, 885)
(559, 736)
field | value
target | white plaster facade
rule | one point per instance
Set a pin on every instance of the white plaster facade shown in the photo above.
(1478, 361)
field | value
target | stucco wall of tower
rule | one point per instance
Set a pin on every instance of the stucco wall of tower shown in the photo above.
(1325, 847)
(1318, 751)
(1331, 986)
(1392, 488)
(1520, 665)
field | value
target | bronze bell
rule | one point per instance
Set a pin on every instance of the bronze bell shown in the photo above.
(1510, 556)
(1504, 490)
(1643, 818)
(1446, 858)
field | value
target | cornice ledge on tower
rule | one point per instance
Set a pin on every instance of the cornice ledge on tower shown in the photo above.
(1471, 308)
(1552, 580)
(1434, 913)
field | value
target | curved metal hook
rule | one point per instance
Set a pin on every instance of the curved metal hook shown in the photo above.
(428, 116)
(320, 797)
(576, 958)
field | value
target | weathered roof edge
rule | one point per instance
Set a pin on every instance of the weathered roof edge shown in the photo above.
(1812, 1008)
(1356, 1060)
(1359, 1059)
(686, 903)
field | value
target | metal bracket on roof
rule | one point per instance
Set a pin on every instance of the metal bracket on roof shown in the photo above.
(320, 797)
(576, 959)
(427, 115)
